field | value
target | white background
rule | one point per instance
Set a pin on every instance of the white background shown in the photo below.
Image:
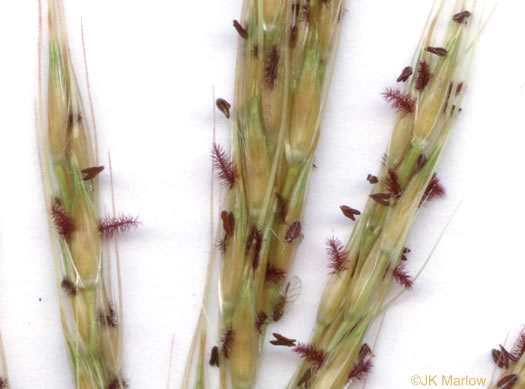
(152, 67)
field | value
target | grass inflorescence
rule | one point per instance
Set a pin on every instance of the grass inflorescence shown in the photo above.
(364, 269)
(90, 301)
(286, 53)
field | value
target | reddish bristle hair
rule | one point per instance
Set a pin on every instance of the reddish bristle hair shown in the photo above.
(392, 183)
(227, 342)
(337, 254)
(274, 274)
(311, 354)
(225, 168)
(110, 226)
(360, 369)
(423, 75)
(3, 383)
(402, 102)
(402, 276)
(434, 190)
(63, 222)
(271, 68)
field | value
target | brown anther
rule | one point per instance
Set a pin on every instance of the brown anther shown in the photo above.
(350, 213)
(508, 382)
(365, 350)
(294, 231)
(282, 340)
(461, 16)
(91, 172)
(439, 51)
(372, 179)
(281, 212)
(420, 163)
(223, 106)
(243, 33)
(406, 251)
(458, 88)
(381, 198)
(228, 222)
(407, 72)
(214, 357)
(293, 37)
